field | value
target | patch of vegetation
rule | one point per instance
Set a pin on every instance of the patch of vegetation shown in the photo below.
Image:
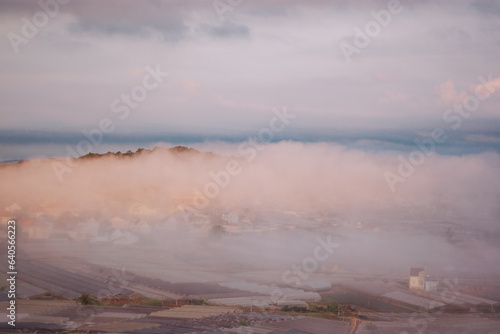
(371, 326)
(298, 309)
(86, 299)
(142, 300)
(200, 301)
(243, 323)
(334, 308)
(317, 308)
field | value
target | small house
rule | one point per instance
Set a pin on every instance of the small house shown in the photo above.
(417, 278)
(431, 284)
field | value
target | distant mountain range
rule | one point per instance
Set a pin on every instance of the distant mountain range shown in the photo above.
(129, 154)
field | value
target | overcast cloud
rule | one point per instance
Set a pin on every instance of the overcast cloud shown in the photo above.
(226, 75)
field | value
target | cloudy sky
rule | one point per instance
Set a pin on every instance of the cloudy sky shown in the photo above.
(66, 68)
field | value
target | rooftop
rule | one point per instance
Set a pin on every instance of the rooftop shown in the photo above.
(414, 271)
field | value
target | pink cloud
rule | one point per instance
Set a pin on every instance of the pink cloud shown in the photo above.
(485, 89)
(449, 95)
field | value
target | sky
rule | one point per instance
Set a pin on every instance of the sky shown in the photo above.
(198, 71)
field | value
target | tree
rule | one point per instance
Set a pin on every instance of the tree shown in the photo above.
(333, 308)
(86, 299)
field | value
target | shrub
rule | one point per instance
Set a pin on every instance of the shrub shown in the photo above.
(86, 299)
(333, 308)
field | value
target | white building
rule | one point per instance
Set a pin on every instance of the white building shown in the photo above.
(417, 278)
(231, 218)
(431, 284)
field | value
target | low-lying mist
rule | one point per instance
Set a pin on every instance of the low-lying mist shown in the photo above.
(285, 195)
